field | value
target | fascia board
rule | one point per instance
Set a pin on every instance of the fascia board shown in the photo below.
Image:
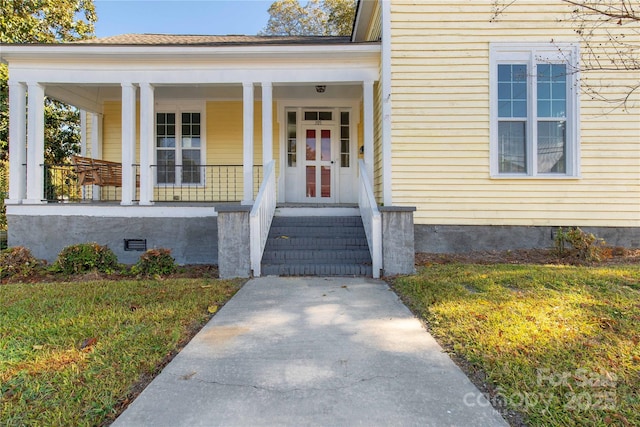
(69, 52)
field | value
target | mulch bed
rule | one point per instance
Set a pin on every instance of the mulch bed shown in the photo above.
(611, 256)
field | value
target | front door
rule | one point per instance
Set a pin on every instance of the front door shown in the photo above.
(320, 179)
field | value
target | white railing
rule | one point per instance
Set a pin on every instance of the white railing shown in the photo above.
(261, 216)
(371, 219)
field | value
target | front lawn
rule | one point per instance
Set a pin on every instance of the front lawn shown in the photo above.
(559, 344)
(76, 353)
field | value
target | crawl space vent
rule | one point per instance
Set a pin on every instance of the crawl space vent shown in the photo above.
(135, 245)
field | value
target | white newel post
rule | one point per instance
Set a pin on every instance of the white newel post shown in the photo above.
(247, 144)
(367, 91)
(17, 142)
(35, 144)
(128, 142)
(267, 123)
(146, 142)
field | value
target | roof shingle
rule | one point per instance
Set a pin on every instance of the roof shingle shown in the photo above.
(202, 40)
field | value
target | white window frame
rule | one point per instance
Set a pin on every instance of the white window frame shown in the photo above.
(531, 54)
(178, 108)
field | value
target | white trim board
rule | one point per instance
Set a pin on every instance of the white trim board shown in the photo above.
(117, 211)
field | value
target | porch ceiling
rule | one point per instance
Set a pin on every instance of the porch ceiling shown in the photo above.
(91, 97)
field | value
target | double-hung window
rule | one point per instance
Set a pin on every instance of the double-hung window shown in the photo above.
(534, 110)
(179, 145)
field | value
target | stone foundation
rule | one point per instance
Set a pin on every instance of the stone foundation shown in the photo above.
(468, 238)
(191, 240)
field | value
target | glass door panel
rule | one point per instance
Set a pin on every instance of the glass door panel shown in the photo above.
(311, 144)
(319, 173)
(325, 181)
(311, 181)
(325, 144)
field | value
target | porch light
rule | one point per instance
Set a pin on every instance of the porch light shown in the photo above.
(320, 88)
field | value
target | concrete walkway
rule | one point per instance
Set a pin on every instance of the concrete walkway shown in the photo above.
(312, 352)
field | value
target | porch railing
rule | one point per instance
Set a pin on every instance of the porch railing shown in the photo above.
(261, 216)
(180, 183)
(371, 219)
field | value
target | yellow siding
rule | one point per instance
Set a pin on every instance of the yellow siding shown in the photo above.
(440, 126)
(112, 132)
(377, 135)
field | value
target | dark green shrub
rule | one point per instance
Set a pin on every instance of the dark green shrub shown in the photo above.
(17, 261)
(86, 257)
(155, 262)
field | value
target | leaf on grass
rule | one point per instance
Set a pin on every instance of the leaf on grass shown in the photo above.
(88, 343)
(206, 286)
(38, 347)
(212, 309)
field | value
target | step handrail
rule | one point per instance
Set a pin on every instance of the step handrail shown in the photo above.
(371, 219)
(261, 216)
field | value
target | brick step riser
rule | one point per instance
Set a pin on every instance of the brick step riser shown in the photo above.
(355, 261)
(316, 222)
(312, 247)
(295, 255)
(316, 234)
(318, 270)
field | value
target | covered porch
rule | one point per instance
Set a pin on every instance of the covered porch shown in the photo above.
(196, 126)
(182, 145)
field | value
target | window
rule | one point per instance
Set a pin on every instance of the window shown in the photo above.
(291, 139)
(345, 140)
(534, 110)
(179, 144)
(318, 115)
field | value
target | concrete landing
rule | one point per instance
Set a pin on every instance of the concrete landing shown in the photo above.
(311, 351)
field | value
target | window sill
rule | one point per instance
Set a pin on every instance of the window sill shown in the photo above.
(537, 177)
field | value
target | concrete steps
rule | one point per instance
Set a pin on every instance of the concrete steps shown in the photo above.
(316, 246)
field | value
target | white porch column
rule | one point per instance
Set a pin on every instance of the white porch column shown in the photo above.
(35, 144)
(96, 135)
(367, 91)
(96, 145)
(83, 133)
(267, 123)
(247, 145)
(17, 142)
(146, 142)
(128, 142)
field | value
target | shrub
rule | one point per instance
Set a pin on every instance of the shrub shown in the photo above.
(587, 247)
(86, 257)
(17, 261)
(155, 262)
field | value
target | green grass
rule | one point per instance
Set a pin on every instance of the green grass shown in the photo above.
(559, 344)
(128, 328)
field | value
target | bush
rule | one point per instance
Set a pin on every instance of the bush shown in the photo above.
(155, 262)
(587, 247)
(86, 257)
(17, 262)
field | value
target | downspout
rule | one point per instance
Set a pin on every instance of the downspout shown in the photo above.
(385, 80)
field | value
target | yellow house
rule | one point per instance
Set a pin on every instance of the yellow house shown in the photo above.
(490, 126)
